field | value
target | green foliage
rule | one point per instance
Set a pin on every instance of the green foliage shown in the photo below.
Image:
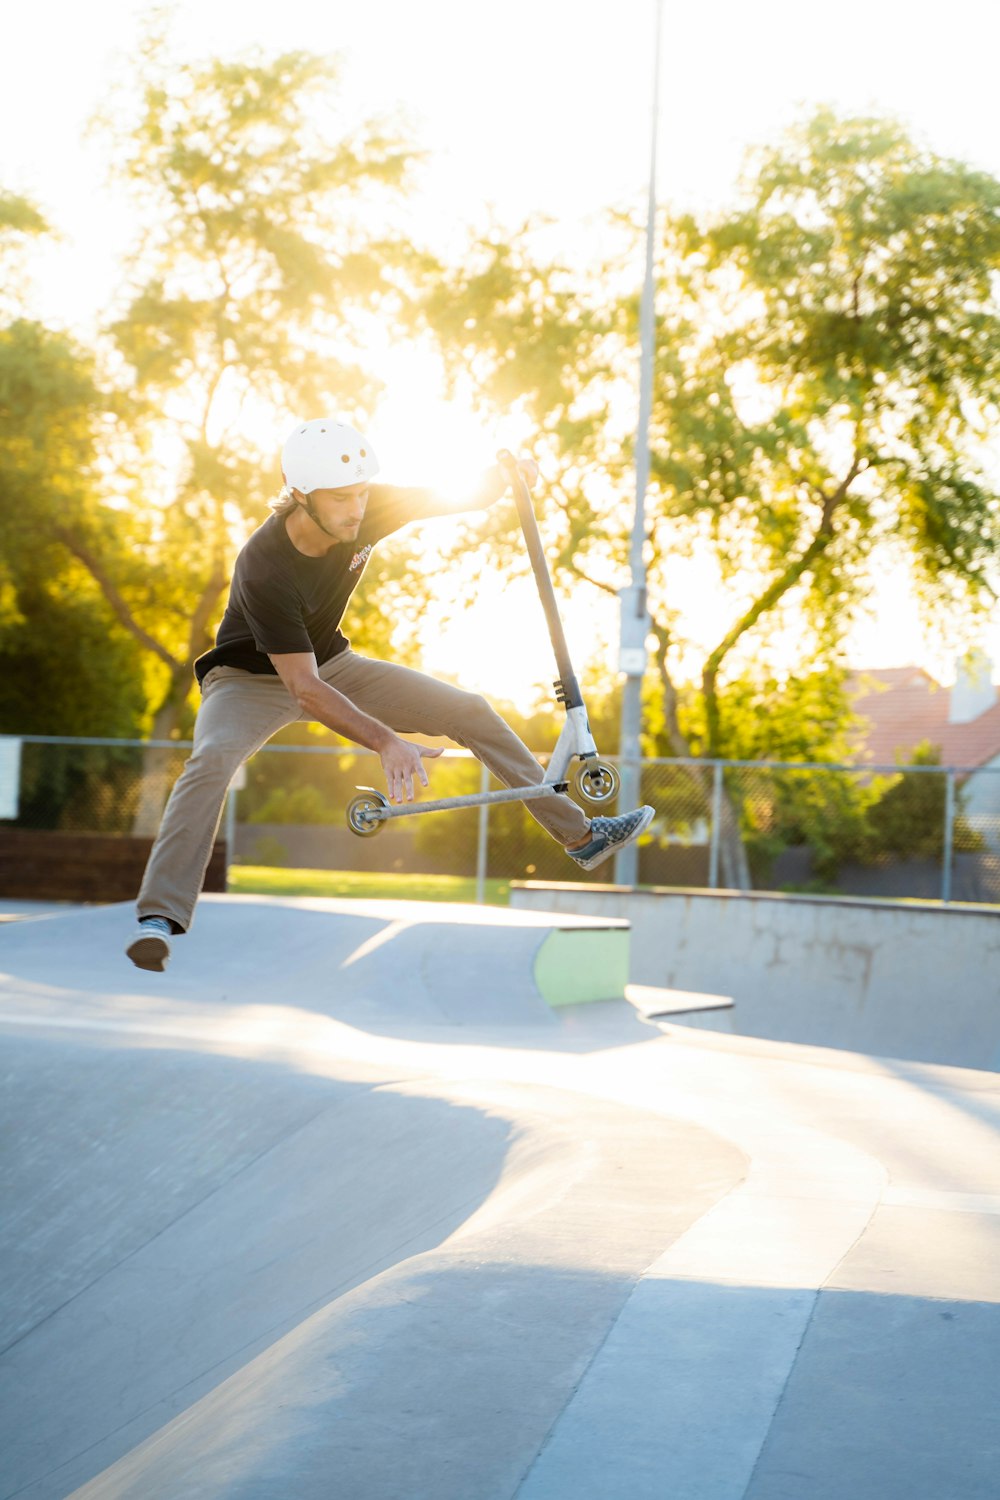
(91, 788)
(64, 667)
(287, 787)
(264, 249)
(828, 812)
(826, 365)
(802, 716)
(299, 804)
(908, 821)
(849, 818)
(267, 850)
(21, 222)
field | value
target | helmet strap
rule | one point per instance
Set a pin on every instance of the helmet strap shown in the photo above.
(307, 506)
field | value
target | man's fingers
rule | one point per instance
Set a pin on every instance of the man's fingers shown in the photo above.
(400, 777)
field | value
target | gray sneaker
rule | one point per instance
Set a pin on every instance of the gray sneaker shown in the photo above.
(149, 945)
(608, 835)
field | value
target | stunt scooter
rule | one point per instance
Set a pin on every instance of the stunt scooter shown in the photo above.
(594, 779)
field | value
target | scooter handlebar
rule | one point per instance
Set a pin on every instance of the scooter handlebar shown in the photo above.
(567, 685)
(509, 464)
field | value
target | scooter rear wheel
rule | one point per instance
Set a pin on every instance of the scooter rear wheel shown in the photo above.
(359, 814)
(598, 783)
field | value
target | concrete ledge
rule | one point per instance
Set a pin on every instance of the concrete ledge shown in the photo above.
(909, 980)
(874, 903)
(654, 1002)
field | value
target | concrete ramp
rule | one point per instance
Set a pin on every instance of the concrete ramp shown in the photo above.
(252, 1241)
(350, 1203)
(404, 964)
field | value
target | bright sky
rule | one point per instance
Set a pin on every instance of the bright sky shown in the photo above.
(532, 106)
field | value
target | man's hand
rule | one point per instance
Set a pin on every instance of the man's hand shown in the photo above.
(496, 483)
(401, 761)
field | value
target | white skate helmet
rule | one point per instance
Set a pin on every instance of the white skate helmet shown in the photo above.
(325, 454)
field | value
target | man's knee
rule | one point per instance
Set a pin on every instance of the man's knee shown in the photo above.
(473, 709)
(213, 762)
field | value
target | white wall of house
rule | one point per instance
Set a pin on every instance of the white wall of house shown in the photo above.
(974, 692)
(981, 803)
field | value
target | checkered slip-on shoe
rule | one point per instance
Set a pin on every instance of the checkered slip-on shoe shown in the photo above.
(608, 835)
(149, 945)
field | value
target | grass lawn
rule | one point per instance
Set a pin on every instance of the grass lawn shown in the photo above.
(268, 880)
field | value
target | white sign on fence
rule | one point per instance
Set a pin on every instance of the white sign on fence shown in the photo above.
(10, 775)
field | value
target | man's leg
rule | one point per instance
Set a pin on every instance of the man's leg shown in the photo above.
(240, 711)
(411, 702)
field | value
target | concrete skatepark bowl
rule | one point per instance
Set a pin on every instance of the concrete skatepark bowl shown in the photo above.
(380, 1200)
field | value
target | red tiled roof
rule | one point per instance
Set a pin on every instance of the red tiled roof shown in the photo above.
(904, 706)
(975, 743)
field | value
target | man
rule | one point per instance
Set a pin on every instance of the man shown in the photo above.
(280, 657)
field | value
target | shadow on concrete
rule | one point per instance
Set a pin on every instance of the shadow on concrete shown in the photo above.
(453, 1376)
(168, 1215)
(178, 1225)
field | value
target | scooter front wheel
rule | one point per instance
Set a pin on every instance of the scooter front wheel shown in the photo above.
(360, 819)
(598, 783)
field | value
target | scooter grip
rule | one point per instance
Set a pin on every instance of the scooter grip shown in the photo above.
(508, 463)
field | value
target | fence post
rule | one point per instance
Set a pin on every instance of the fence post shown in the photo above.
(481, 840)
(949, 836)
(713, 852)
(236, 786)
(230, 830)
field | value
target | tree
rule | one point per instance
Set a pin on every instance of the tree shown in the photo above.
(826, 369)
(61, 668)
(266, 241)
(843, 400)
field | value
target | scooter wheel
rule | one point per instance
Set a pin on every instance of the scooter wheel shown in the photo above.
(359, 814)
(598, 783)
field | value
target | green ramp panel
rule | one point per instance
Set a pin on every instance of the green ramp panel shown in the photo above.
(575, 965)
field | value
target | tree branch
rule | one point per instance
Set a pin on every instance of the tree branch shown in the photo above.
(606, 588)
(770, 597)
(675, 735)
(95, 568)
(203, 611)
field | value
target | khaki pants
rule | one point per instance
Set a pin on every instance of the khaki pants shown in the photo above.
(239, 713)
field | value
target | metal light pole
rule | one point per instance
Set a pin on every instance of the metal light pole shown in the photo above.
(634, 616)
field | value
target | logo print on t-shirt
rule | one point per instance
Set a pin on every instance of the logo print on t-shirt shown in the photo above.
(360, 558)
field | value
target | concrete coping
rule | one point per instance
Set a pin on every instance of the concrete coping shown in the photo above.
(957, 908)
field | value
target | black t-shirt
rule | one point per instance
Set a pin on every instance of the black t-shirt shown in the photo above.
(280, 600)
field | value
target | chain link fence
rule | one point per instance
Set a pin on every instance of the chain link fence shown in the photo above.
(915, 832)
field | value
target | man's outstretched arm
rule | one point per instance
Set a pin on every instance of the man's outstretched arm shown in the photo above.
(415, 504)
(401, 760)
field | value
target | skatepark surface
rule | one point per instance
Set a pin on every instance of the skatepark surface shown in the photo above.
(356, 1202)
